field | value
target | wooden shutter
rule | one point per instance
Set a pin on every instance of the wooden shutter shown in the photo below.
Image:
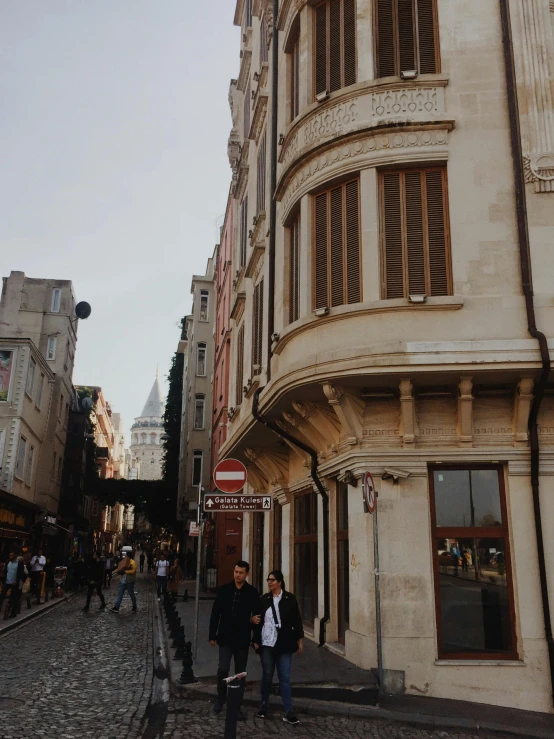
(337, 269)
(415, 250)
(248, 14)
(406, 37)
(246, 110)
(260, 205)
(294, 271)
(257, 327)
(295, 81)
(243, 230)
(263, 41)
(240, 366)
(335, 45)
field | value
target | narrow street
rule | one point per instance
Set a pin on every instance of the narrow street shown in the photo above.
(71, 675)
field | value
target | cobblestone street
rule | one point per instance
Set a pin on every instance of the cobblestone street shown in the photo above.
(71, 675)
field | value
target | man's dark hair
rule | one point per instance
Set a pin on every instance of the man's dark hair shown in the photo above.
(243, 565)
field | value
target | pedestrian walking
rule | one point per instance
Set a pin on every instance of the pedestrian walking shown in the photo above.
(236, 605)
(37, 566)
(162, 570)
(141, 559)
(14, 577)
(108, 569)
(278, 635)
(127, 568)
(175, 577)
(95, 580)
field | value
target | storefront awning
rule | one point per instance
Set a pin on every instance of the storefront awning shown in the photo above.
(14, 534)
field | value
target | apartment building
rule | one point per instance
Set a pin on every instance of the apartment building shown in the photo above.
(392, 311)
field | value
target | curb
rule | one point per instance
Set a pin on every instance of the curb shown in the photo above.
(31, 615)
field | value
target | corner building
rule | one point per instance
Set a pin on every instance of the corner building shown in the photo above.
(393, 337)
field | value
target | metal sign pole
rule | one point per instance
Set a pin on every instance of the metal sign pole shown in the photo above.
(377, 597)
(198, 563)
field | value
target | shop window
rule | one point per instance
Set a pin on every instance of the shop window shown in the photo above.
(337, 252)
(305, 555)
(277, 535)
(473, 578)
(406, 37)
(343, 561)
(335, 45)
(415, 243)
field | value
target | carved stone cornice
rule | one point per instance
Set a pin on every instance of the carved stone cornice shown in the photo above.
(259, 228)
(260, 112)
(243, 170)
(245, 64)
(273, 464)
(254, 265)
(237, 310)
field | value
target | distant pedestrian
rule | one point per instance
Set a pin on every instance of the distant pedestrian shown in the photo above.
(108, 569)
(162, 571)
(95, 579)
(278, 635)
(142, 558)
(127, 568)
(234, 611)
(14, 577)
(175, 577)
(37, 566)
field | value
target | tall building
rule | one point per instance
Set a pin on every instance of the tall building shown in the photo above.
(198, 388)
(146, 432)
(393, 314)
(38, 336)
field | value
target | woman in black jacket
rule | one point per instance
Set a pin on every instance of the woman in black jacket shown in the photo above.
(278, 635)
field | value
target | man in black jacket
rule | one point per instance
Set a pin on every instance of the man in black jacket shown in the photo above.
(236, 604)
(95, 580)
(14, 577)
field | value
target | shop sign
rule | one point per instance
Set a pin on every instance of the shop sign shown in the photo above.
(214, 502)
(11, 518)
(193, 528)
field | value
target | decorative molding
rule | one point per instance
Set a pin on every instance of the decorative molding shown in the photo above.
(408, 423)
(245, 64)
(255, 262)
(243, 170)
(370, 149)
(257, 233)
(522, 407)
(239, 305)
(349, 409)
(465, 411)
(536, 37)
(273, 464)
(259, 113)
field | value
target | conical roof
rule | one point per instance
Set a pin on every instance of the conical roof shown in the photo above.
(154, 407)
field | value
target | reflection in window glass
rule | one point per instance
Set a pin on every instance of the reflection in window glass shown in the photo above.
(474, 599)
(467, 498)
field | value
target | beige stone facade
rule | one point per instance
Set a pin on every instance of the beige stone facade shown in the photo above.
(399, 339)
(146, 437)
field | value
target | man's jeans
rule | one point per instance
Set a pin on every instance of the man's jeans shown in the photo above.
(161, 585)
(240, 655)
(283, 662)
(130, 588)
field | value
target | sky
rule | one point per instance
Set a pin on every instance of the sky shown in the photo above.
(114, 120)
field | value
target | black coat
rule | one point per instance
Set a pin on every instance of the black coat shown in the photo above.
(96, 570)
(291, 622)
(235, 632)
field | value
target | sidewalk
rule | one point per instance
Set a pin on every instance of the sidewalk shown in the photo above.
(320, 679)
(28, 614)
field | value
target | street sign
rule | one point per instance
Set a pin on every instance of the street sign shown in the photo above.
(369, 491)
(230, 476)
(214, 502)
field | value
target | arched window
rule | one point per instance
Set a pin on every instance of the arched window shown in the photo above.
(201, 360)
(199, 405)
(136, 439)
(143, 438)
(152, 438)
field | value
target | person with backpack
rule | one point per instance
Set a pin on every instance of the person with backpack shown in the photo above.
(278, 635)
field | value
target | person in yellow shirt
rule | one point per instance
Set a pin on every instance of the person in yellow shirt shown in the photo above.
(127, 568)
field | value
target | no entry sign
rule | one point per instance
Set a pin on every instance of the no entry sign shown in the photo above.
(230, 476)
(369, 492)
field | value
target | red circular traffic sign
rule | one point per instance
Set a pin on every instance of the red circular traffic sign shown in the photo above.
(369, 492)
(230, 476)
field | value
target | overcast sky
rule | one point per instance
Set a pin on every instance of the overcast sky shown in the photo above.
(114, 122)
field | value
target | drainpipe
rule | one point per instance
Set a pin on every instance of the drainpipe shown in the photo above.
(324, 499)
(527, 285)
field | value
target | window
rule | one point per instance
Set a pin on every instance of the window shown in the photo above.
(277, 535)
(261, 170)
(51, 348)
(415, 248)
(335, 45)
(337, 258)
(473, 578)
(294, 270)
(29, 385)
(40, 390)
(257, 328)
(201, 360)
(152, 439)
(406, 38)
(305, 555)
(343, 561)
(246, 110)
(295, 80)
(263, 41)
(199, 404)
(243, 230)
(248, 14)
(143, 438)
(197, 467)
(20, 461)
(204, 299)
(239, 380)
(56, 300)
